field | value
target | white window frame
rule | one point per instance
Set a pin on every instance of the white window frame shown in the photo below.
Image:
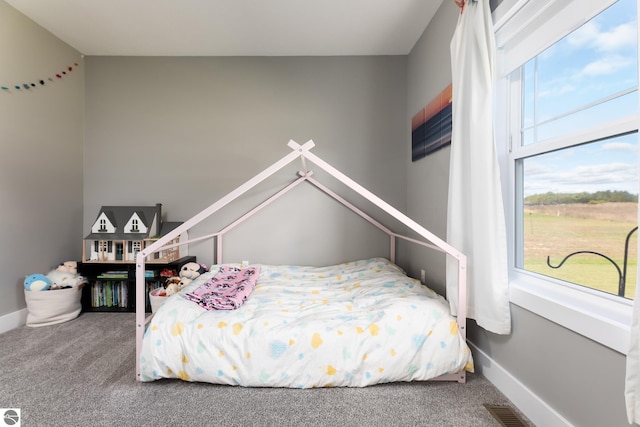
(603, 318)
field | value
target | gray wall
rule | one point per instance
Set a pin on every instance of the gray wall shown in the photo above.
(582, 380)
(429, 72)
(41, 162)
(185, 131)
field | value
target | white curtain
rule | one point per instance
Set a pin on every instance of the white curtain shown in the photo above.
(632, 383)
(476, 224)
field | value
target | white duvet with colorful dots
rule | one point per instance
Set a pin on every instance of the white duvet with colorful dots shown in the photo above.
(353, 325)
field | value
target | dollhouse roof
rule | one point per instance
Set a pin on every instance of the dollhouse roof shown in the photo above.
(118, 216)
(166, 227)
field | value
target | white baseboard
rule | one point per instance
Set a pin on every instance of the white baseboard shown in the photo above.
(13, 320)
(534, 408)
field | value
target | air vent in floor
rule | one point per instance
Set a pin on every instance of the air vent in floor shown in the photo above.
(505, 415)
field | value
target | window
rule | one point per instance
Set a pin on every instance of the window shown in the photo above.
(569, 151)
(134, 225)
(103, 225)
(577, 209)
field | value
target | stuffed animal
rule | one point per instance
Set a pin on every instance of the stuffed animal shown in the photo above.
(191, 270)
(172, 288)
(70, 267)
(37, 282)
(168, 272)
(171, 281)
(183, 283)
(173, 285)
(65, 275)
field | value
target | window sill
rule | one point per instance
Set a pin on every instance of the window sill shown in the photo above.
(602, 318)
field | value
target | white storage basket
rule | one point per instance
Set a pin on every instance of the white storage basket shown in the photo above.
(155, 299)
(52, 306)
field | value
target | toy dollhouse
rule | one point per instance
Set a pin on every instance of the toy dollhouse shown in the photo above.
(120, 232)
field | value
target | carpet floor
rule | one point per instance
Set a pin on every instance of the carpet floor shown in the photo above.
(82, 373)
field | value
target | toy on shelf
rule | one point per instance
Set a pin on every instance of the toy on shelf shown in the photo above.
(119, 233)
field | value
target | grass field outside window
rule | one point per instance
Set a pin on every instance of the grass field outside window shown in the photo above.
(558, 230)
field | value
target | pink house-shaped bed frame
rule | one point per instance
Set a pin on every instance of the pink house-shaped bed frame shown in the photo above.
(303, 152)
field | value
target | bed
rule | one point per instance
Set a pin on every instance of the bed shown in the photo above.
(353, 324)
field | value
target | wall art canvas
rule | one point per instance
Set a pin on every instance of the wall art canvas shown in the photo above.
(431, 127)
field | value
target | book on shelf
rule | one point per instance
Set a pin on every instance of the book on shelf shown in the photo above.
(109, 294)
(118, 274)
(113, 275)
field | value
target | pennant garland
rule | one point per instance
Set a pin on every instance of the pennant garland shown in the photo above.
(41, 82)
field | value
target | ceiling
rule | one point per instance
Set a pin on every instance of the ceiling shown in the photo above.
(233, 27)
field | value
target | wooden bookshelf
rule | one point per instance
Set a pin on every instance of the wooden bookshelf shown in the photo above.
(111, 286)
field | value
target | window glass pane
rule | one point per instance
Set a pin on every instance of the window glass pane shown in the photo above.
(589, 77)
(583, 198)
(595, 115)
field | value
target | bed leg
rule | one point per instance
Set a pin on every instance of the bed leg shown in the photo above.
(139, 331)
(140, 310)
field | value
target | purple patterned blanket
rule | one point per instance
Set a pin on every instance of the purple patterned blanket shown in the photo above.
(227, 290)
